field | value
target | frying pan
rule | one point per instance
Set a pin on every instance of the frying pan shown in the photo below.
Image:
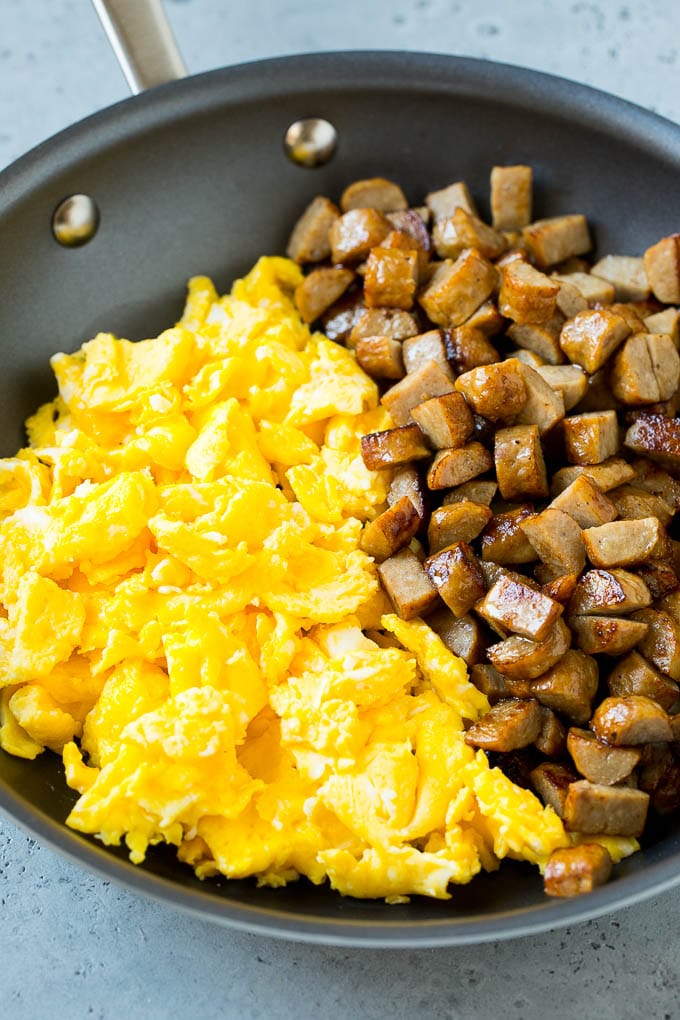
(192, 177)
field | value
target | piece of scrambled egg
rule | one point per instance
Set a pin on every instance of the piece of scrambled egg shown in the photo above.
(184, 607)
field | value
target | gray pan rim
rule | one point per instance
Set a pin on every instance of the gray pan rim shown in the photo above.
(316, 74)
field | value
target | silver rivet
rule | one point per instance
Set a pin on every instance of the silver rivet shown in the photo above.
(75, 220)
(310, 141)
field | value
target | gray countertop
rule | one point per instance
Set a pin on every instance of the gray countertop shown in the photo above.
(75, 946)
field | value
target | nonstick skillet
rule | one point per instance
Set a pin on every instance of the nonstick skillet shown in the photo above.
(194, 176)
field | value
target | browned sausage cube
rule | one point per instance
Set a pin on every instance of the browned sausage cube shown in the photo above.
(667, 321)
(660, 577)
(594, 290)
(569, 686)
(560, 588)
(598, 762)
(520, 467)
(455, 574)
(391, 531)
(505, 542)
(585, 502)
(653, 479)
(457, 288)
(623, 543)
(662, 264)
(446, 420)
(463, 230)
(627, 275)
(540, 340)
(605, 810)
(391, 322)
(390, 278)
(631, 721)
(608, 475)
(490, 682)
(552, 740)
(444, 203)
(509, 725)
(519, 658)
(479, 491)
(551, 782)
(428, 381)
(514, 606)
(373, 193)
(467, 347)
(380, 357)
(309, 241)
(407, 585)
(320, 289)
(511, 197)
(453, 467)
(457, 522)
(463, 635)
(497, 392)
(590, 338)
(634, 504)
(356, 232)
(612, 592)
(393, 447)
(634, 675)
(577, 870)
(424, 347)
(544, 406)
(558, 238)
(591, 438)
(407, 482)
(661, 641)
(657, 437)
(606, 635)
(527, 295)
(487, 319)
(646, 369)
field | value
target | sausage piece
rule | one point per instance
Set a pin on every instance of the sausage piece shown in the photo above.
(509, 725)
(576, 870)
(595, 809)
(569, 686)
(514, 606)
(631, 721)
(522, 659)
(598, 762)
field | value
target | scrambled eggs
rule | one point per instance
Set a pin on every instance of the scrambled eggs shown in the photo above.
(185, 607)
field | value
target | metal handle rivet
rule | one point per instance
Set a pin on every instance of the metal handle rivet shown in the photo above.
(75, 220)
(310, 141)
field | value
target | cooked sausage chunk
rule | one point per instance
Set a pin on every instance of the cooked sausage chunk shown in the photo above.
(660, 778)
(391, 530)
(468, 347)
(595, 291)
(595, 809)
(457, 522)
(354, 234)
(424, 347)
(309, 241)
(426, 382)
(634, 675)
(504, 541)
(520, 467)
(497, 392)
(569, 380)
(560, 588)
(457, 289)
(380, 357)
(490, 682)
(509, 725)
(513, 606)
(463, 230)
(526, 295)
(608, 475)
(651, 478)
(645, 370)
(393, 446)
(446, 420)
(612, 592)
(599, 762)
(373, 193)
(558, 238)
(631, 721)
(453, 467)
(444, 203)
(462, 635)
(407, 482)
(667, 321)
(391, 322)
(519, 658)
(660, 577)
(662, 264)
(657, 437)
(634, 504)
(556, 539)
(627, 275)
(552, 740)
(606, 635)
(623, 543)
(590, 338)
(591, 438)
(320, 289)
(390, 278)
(569, 686)
(585, 502)
(487, 320)
(576, 870)
(407, 585)
(661, 641)
(456, 575)
(478, 490)
(511, 197)
(541, 340)
(544, 406)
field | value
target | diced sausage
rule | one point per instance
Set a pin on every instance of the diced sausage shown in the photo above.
(634, 504)
(609, 592)
(457, 522)
(577, 870)
(585, 502)
(514, 606)
(456, 575)
(526, 295)
(661, 641)
(654, 479)
(667, 321)
(424, 347)
(645, 369)
(520, 466)
(391, 322)
(552, 740)
(504, 541)
(457, 288)
(591, 438)
(390, 278)
(354, 234)
(590, 338)
(463, 230)
(662, 264)
(594, 809)
(478, 490)
(487, 319)
(497, 392)
(490, 682)
(657, 437)
(522, 659)
(393, 446)
(569, 686)
(380, 357)
(462, 635)
(627, 275)
(634, 675)
(509, 725)
(551, 781)
(630, 721)
(599, 762)
(309, 241)
(407, 585)
(606, 635)
(407, 482)
(391, 530)
(608, 475)
(623, 543)
(660, 778)
(453, 467)
(446, 420)
(468, 347)
(594, 290)
(320, 289)
(511, 197)
(409, 222)
(444, 203)
(373, 193)
(544, 406)
(660, 577)
(541, 340)
(560, 588)
(569, 380)
(428, 381)
(556, 539)
(558, 238)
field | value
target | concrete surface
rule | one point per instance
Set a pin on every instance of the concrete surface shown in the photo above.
(72, 946)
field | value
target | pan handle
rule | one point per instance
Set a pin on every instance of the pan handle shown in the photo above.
(142, 40)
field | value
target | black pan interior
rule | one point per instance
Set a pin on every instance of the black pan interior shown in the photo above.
(192, 178)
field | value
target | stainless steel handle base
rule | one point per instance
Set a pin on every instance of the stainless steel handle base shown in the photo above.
(142, 40)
